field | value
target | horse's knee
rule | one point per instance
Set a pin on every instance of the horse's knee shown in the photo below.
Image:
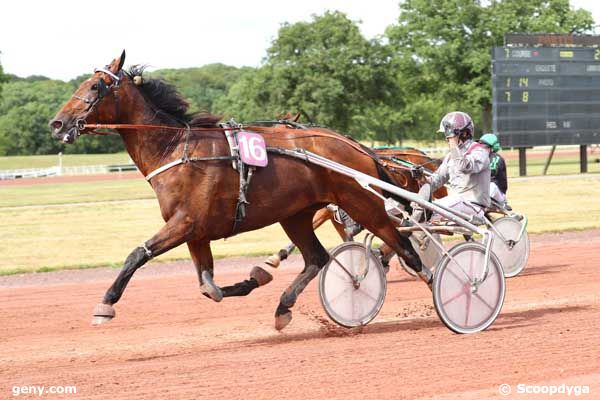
(138, 257)
(134, 260)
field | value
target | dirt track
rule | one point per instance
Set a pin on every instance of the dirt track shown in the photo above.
(170, 342)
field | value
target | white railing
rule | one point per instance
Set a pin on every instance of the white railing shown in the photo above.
(29, 173)
(69, 171)
(85, 170)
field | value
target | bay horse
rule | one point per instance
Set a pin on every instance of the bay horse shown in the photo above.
(198, 199)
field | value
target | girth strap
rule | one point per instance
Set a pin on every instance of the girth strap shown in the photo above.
(245, 171)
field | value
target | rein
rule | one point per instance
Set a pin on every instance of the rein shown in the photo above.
(157, 127)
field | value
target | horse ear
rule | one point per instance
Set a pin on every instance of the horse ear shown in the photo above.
(121, 60)
(116, 65)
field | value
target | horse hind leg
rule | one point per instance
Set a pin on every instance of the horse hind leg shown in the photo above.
(379, 223)
(203, 261)
(299, 228)
(258, 277)
(274, 260)
(321, 216)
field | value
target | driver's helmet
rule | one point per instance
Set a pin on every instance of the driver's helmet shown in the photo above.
(455, 123)
(491, 140)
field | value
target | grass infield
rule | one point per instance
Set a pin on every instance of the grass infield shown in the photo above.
(79, 225)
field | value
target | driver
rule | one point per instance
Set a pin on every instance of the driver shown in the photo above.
(499, 183)
(466, 168)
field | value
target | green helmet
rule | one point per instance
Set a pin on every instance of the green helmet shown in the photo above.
(491, 140)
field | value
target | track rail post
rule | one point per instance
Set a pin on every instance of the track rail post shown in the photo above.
(522, 161)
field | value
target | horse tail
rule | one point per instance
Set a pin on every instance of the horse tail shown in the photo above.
(385, 176)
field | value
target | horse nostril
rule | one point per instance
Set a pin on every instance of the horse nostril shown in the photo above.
(57, 124)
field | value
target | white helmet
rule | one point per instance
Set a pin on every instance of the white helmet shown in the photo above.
(456, 122)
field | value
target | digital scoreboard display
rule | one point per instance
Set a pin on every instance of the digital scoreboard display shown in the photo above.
(546, 95)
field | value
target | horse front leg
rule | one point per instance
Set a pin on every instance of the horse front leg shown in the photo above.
(203, 261)
(176, 231)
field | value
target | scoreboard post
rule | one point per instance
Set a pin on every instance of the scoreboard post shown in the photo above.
(546, 91)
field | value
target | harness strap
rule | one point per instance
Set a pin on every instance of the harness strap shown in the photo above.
(164, 168)
(183, 161)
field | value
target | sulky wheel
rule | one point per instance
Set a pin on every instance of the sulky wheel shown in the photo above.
(463, 304)
(352, 286)
(512, 253)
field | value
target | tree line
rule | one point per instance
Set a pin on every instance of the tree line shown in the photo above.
(435, 59)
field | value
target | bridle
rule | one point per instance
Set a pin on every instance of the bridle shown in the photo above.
(103, 89)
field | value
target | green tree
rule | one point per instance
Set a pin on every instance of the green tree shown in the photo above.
(324, 67)
(444, 48)
(3, 78)
(204, 85)
(25, 109)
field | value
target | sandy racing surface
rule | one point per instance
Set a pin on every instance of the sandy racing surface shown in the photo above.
(169, 342)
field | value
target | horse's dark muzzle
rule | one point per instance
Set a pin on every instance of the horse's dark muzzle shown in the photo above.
(63, 133)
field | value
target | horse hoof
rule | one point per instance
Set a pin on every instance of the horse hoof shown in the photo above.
(281, 321)
(209, 288)
(273, 261)
(261, 276)
(97, 320)
(103, 313)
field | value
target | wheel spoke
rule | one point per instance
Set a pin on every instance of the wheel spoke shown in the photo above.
(337, 296)
(344, 268)
(456, 296)
(342, 277)
(483, 301)
(368, 295)
(471, 274)
(469, 296)
(458, 278)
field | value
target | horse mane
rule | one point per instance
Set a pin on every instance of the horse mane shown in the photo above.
(171, 106)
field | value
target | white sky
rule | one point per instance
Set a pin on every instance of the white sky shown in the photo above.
(65, 38)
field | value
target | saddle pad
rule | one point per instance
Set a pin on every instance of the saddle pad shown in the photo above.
(253, 150)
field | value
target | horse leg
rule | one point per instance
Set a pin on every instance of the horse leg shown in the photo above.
(385, 254)
(380, 225)
(402, 246)
(341, 230)
(275, 259)
(203, 261)
(258, 277)
(321, 216)
(300, 230)
(175, 232)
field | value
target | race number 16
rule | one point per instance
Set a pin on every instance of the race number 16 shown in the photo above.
(253, 150)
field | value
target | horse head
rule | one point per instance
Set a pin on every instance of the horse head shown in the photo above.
(94, 102)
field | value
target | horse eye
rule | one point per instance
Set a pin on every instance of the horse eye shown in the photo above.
(95, 86)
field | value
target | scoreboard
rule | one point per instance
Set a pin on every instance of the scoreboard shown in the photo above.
(546, 95)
